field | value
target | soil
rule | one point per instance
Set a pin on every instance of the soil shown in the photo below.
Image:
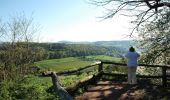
(112, 90)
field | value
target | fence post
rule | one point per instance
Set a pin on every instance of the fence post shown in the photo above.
(100, 69)
(63, 94)
(164, 78)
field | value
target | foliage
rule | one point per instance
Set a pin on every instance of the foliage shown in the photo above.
(62, 50)
(115, 69)
(155, 44)
(154, 40)
(36, 88)
(16, 56)
(16, 62)
(31, 88)
(71, 79)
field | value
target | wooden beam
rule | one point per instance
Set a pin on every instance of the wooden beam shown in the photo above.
(69, 72)
(63, 94)
(123, 64)
(125, 75)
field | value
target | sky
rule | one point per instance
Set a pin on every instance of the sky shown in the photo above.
(68, 20)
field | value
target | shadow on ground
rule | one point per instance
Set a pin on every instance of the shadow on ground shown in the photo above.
(120, 90)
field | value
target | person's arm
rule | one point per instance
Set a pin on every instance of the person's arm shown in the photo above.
(126, 55)
(138, 55)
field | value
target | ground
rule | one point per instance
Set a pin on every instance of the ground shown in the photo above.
(113, 90)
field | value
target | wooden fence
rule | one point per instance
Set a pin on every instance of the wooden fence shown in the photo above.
(65, 93)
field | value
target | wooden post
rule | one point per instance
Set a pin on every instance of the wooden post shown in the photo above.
(164, 78)
(100, 69)
(63, 94)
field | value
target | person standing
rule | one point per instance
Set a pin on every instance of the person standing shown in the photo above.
(132, 57)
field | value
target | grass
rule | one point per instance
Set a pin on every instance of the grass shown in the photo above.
(71, 79)
(104, 57)
(71, 62)
(62, 64)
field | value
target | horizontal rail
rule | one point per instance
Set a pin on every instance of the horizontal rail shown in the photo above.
(76, 70)
(125, 75)
(123, 64)
(68, 72)
(163, 67)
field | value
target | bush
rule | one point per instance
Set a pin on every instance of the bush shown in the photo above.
(31, 88)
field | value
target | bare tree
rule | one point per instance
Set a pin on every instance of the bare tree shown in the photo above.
(16, 55)
(143, 11)
(18, 29)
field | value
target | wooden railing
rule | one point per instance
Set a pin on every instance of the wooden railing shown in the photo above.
(164, 69)
(70, 72)
(65, 93)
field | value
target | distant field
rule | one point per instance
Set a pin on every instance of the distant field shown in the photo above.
(103, 57)
(71, 62)
(62, 64)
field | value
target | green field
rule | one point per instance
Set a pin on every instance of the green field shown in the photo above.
(104, 58)
(62, 64)
(71, 62)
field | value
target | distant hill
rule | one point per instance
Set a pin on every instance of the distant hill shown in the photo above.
(124, 44)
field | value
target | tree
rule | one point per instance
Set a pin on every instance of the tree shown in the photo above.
(16, 55)
(143, 11)
(155, 40)
(16, 60)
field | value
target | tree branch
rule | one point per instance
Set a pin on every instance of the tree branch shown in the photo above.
(139, 8)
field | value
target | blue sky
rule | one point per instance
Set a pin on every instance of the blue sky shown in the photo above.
(71, 20)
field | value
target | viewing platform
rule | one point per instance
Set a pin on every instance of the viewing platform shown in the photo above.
(103, 85)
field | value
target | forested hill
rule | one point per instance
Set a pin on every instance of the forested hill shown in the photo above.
(121, 44)
(72, 49)
(76, 49)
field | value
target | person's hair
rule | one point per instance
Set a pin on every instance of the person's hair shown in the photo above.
(131, 49)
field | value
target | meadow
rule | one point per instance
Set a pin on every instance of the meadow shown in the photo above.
(104, 58)
(71, 62)
(62, 64)
(68, 64)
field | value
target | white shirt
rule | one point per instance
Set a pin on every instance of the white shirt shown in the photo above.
(132, 59)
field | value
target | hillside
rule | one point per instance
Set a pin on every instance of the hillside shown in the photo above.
(123, 44)
(72, 49)
(119, 43)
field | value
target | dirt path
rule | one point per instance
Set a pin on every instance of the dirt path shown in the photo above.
(108, 90)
